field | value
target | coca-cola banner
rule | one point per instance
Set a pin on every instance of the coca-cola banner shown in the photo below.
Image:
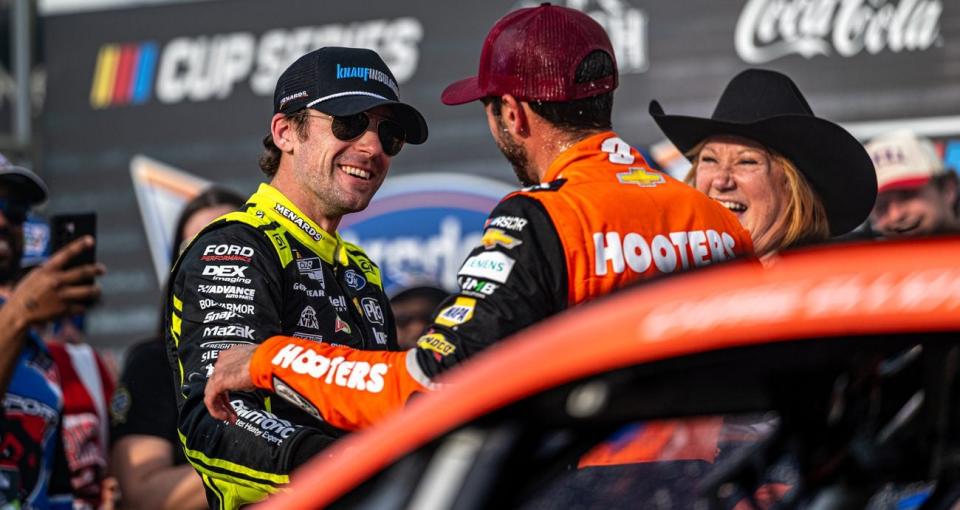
(189, 86)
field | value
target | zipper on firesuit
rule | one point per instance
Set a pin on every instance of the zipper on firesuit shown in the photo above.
(352, 305)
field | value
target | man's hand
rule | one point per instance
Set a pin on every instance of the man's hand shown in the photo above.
(50, 291)
(231, 373)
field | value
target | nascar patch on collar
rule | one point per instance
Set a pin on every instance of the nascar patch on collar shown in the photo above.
(545, 186)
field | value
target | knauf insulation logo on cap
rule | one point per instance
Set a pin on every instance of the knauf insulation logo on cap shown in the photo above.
(365, 73)
(421, 227)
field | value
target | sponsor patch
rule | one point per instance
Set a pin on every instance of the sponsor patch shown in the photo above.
(227, 252)
(459, 312)
(228, 291)
(354, 280)
(477, 287)
(305, 226)
(308, 318)
(241, 308)
(641, 177)
(372, 310)
(667, 253)
(491, 265)
(311, 268)
(219, 316)
(233, 330)
(314, 293)
(545, 186)
(339, 302)
(261, 423)
(308, 336)
(291, 395)
(223, 344)
(437, 343)
(508, 222)
(227, 271)
(493, 237)
(341, 326)
(380, 337)
(355, 375)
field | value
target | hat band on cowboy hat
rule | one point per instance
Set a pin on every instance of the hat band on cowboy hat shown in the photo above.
(767, 107)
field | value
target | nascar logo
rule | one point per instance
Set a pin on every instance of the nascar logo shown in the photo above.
(212, 66)
(124, 74)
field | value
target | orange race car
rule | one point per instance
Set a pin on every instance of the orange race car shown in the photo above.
(826, 380)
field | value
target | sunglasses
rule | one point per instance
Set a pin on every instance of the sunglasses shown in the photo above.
(14, 210)
(350, 127)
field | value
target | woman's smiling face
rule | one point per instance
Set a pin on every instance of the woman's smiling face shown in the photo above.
(742, 176)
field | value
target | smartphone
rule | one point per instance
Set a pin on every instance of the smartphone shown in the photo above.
(64, 228)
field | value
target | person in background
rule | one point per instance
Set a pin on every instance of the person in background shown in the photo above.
(918, 196)
(761, 155)
(413, 310)
(146, 456)
(87, 386)
(33, 468)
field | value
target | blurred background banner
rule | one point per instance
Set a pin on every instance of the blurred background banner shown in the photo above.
(421, 227)
(189, 84)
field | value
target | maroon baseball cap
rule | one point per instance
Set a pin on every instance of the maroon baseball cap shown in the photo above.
(533, 54)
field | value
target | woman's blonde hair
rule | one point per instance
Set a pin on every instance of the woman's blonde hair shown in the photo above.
(806, 217)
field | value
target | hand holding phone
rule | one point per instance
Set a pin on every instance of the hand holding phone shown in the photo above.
(67, 228)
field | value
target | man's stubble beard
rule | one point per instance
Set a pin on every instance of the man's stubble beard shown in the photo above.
(515, 153)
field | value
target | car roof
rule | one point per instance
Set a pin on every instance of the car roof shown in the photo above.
(829, 292)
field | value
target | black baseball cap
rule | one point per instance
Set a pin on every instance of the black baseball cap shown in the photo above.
(345, 81)
(24, 183)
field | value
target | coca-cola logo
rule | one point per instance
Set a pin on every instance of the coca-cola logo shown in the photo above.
(771, 29)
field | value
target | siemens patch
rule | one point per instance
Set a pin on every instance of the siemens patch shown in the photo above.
(491, 265)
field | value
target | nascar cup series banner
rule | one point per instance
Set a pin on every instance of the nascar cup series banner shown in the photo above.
(188, 87)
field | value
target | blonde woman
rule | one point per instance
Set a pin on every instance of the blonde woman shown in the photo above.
(791, 178)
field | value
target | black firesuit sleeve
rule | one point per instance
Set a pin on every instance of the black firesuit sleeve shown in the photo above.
(227, 291)
(516, 277)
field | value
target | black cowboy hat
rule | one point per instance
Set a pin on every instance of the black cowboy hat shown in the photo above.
(767, 107)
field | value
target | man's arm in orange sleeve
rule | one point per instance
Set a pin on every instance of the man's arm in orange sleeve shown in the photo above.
(348, 388)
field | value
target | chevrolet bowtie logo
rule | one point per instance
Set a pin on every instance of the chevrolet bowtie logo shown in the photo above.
(640, 177)
(495, 237)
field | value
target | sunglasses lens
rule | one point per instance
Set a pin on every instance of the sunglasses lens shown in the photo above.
(392, 137)
(349, 127)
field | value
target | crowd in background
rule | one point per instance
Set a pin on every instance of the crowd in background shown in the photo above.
(78, 434)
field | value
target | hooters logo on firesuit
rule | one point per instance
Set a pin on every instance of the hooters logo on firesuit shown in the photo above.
(668, 253)
(355, 375)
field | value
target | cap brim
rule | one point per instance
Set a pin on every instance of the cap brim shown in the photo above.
(833, 161)
(414, 125)
(28, 185)
(905, 183)
(462, 92)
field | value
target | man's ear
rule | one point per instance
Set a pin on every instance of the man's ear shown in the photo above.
(514, 116)
(282, 130)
